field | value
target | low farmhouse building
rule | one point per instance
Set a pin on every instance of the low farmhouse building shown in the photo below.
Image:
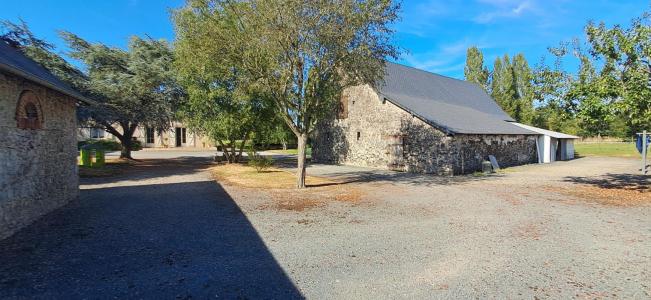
(38, 154)
(422, 122)
(177, 136)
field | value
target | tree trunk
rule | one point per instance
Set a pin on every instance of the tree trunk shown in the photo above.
(225, 152)
(126, 140)
(246, 137)
(126, 147)
(300, 171)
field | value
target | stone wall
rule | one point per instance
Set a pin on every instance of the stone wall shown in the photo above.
(38, 167)
(377, 133)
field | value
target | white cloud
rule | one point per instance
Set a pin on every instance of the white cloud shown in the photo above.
(448, 59)
(503, 9)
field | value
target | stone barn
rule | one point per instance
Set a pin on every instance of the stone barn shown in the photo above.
(421, 122)
(38, 154)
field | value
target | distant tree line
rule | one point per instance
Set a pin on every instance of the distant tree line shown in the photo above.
(608, 95)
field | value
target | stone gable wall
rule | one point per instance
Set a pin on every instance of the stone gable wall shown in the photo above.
(38, 168)
(391, 138)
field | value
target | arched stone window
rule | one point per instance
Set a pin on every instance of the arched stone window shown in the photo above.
(28, 111)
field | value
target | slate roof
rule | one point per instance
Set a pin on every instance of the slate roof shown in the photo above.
(554, 134)
(15, 62)
(452, 105)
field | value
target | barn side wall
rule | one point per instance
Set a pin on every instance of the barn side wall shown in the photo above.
(392, 138)
(38, 167)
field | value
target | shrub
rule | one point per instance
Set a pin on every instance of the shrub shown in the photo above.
(259, 162)
(109, 145)
(136, 145)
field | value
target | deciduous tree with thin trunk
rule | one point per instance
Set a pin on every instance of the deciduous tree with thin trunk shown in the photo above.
(299, 54)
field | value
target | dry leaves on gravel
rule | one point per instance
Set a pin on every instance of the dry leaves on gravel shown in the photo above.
(603, 195)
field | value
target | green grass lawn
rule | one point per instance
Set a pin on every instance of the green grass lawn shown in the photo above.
(292, 151)
(606, 149)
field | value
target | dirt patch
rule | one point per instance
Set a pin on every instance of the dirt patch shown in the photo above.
(280, 185)
(300, 200)
(604, 195)
(273, 178)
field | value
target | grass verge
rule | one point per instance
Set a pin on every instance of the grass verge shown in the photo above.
(606, 149)
(308, 151)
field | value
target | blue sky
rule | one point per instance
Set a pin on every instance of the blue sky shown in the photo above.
(434, 33)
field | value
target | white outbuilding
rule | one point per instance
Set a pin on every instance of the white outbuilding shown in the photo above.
(551, 145)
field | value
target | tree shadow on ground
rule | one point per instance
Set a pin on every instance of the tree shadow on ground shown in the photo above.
(181, 240)
(615, 181)
(143, 169)
(342, 175)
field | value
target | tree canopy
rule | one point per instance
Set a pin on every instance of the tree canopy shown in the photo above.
(475, 71)
(43, 52)
(609, 94)
(134, 87)
(299, 55)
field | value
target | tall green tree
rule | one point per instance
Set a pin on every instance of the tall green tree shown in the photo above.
(475, 71)
(512, 87)
(222, 101)
(590, 98)
(625, 54)
(550, 87)
(524, 93)
(503, 89)
(134, 87)
(299, 54)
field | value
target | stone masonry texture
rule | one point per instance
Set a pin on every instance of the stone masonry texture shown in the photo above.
(38, 167)
(377, 133)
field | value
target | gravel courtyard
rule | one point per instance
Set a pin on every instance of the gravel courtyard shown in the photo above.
(167, 229)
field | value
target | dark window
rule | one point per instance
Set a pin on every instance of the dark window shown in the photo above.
(31, 112)
(358, 135)
(96, 133)
(149, 135)
(183, 136)
(28, 111)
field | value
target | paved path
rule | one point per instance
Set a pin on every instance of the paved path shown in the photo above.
(162, 231)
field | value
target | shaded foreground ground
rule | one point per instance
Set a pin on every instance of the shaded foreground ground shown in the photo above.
(165, 229)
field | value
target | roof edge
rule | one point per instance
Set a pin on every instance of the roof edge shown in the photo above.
(445, 129)
(45, 83)
(542, 131)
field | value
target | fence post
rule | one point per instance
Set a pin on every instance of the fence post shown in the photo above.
(644, 145)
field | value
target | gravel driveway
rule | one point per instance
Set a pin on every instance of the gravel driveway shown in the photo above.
(167, 230)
